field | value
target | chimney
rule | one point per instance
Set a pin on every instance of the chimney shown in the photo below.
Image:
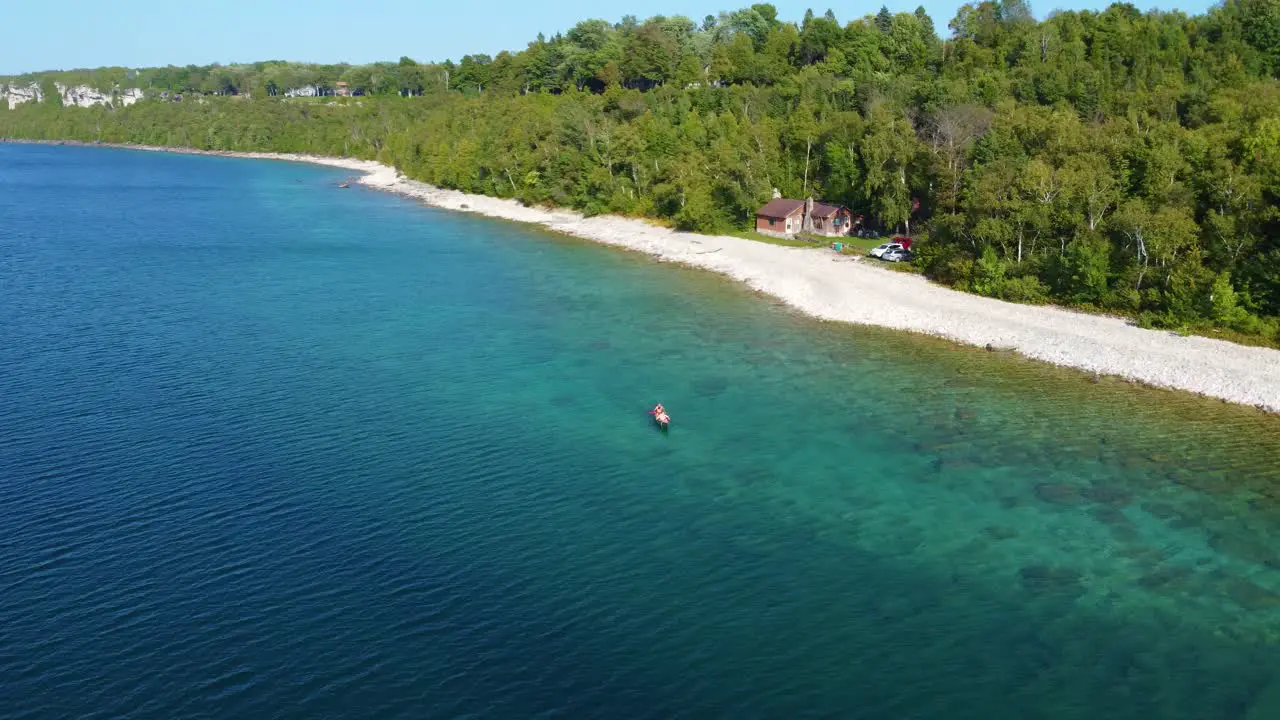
(807, 221)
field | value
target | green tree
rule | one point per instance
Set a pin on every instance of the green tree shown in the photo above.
(650, 57)
(884, 20)
(1085, 269)
(1224, 306)
(888, 150)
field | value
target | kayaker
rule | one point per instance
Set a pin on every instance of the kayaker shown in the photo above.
(659, 410)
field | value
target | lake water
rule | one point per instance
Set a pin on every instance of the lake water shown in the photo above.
(269, 448)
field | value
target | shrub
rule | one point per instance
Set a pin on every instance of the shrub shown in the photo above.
(1224, 307)
(1084, 269)
(1185, 290)
(1025, 289)
(943, 263)
(988, 273)
(1125, 299)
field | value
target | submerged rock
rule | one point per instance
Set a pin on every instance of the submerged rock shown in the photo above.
(1000, 532)
(1107, 495)
(1049, 579)
(710, 386)
(1147, 556)
(1009, 502)
(1161, 511)
(955, 464)
(1249, 595)
(1184, 522)
(1059, 493)
(1126, 534)
(1245, 549)
(1110, 516)
(1165, 577)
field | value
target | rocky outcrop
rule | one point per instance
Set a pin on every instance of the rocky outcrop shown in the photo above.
(72, 96)
(85, 96)
(16, 95)
(82, 96)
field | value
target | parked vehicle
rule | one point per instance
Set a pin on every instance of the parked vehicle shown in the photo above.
(899, 254)
(880, 250)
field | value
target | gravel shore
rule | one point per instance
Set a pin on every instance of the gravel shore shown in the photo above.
(838, 287)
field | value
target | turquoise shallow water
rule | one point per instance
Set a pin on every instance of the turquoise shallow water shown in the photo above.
(273, 449)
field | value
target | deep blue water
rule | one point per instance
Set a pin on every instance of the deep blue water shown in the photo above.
(269, 448)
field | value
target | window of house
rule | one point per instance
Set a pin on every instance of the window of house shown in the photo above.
(770, 222)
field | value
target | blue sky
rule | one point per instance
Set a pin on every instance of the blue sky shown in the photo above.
(54, 34)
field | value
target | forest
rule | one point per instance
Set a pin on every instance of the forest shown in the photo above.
(1117, 161)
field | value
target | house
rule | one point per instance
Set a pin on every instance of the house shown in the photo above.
(829, 220)
(782, 217)
(342, 89)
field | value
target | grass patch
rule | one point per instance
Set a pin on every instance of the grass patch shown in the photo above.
(852, 245)
(1232, 336)
(863, 244)
(785, 242)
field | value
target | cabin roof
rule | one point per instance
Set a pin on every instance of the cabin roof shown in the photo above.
(824, 210)
(780, 208)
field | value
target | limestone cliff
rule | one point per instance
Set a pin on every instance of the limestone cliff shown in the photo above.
(74, 96)
(16, 95)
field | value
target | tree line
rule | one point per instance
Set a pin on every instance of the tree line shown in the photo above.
(261, 79)
(1119, 160)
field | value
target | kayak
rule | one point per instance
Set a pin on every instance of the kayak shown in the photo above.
(662, 419)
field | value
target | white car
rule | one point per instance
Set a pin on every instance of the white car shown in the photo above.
(880, 250)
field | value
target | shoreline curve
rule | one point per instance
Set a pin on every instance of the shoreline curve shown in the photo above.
(841, 288)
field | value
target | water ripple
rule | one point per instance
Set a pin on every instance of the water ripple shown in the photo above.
(310, 455)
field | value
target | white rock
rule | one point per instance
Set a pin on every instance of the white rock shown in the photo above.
(18, 95)
(72, 96)
(82, 96)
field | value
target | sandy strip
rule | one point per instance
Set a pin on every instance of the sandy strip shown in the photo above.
(834, 287)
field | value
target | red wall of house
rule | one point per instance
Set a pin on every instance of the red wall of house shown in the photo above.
(779, 224)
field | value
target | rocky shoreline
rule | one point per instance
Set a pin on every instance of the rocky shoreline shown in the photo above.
(842, 288)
